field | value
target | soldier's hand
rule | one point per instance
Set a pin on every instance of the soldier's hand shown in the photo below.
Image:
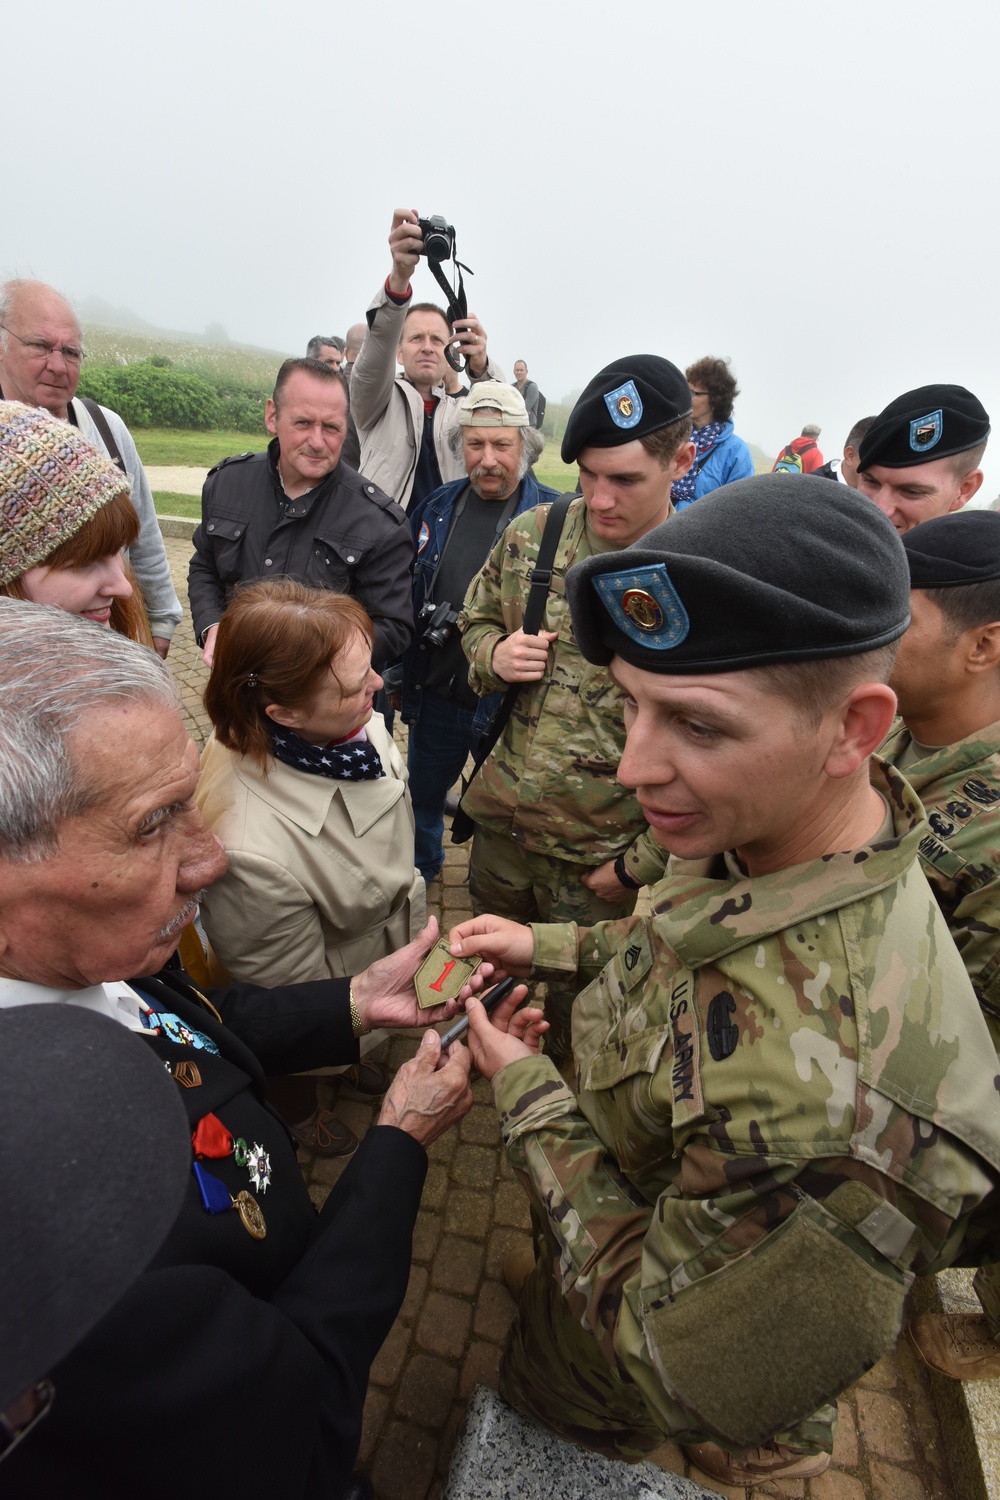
(430, 1092)
(472, 343)
(208, 650)
(384, 994)
(492, 1048)
(605, 883)
(522, 658)
(405, 242)
(510, 946)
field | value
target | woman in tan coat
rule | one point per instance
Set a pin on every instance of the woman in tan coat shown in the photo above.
(306, 790)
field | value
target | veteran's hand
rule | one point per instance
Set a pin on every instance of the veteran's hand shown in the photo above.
(384, 994)
(510, 946)
(522, 658)
(405, 242)
(430, 1092)
(491, 1046)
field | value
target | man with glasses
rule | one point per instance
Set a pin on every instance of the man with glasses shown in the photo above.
(41, 352)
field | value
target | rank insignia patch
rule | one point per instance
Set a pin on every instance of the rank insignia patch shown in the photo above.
(645, 606)
(926, 431)
(624, 405)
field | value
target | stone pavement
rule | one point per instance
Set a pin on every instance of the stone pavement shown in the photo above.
(450, 1331)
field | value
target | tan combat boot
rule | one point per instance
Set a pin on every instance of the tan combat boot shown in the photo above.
(956, 1344)
(772, 1461)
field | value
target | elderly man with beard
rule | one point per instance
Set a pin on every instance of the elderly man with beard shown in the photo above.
(454, 530)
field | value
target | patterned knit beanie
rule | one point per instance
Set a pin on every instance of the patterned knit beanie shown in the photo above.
(51, 482)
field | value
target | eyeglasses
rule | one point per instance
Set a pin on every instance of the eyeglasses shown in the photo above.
(42, 349)
(696, 393)
(25, 1413)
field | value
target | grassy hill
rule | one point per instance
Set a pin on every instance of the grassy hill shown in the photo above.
(233, 362)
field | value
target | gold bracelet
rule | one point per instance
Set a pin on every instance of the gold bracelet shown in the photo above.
(357, 1029)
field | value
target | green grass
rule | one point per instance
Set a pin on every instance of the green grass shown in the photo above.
(199, 450)
(253, 367)
(170, 504)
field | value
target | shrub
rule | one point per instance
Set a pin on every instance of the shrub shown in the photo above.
(148, 395)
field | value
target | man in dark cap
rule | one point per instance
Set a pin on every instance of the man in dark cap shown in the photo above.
(786, 1100)
(920, 457)
(947, 744)
(557, 837)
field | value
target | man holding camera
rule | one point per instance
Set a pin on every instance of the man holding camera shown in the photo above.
(454, 530)
(405, 421)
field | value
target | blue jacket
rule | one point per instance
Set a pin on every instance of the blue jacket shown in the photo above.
(727, 459)
(430, 522)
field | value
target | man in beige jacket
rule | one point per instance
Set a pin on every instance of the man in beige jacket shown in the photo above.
(405, 421)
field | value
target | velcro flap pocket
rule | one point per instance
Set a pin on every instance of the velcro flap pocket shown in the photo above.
(638, 1053)
(753, 1348)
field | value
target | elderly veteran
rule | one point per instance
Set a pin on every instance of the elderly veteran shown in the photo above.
(557, 836)
(454, 531)
(921, 456)
(255, 1310)
(947, 744)
(786, 1089)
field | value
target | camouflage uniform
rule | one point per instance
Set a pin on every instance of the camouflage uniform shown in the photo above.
(959, 786)
(785, 1082)
(547, 804)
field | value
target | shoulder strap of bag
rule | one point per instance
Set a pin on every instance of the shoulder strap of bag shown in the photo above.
(103, 427)
(538, 592)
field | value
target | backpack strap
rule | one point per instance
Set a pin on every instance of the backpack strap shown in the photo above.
(104, 428)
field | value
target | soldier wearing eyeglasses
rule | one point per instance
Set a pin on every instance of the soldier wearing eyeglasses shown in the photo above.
(41, 353)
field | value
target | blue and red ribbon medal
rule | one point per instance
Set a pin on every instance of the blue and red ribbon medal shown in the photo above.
(217, 1199)
(212, 1139)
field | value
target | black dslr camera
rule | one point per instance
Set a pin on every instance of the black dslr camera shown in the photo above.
(439, 237)
(437, 621)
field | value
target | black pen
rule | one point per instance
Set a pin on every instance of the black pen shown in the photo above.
(490, 1001)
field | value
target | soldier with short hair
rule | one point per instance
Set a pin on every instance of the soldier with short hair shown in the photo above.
(947, 744)
(786, 1099)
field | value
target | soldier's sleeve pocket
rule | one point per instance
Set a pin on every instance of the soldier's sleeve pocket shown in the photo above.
(640, 1052)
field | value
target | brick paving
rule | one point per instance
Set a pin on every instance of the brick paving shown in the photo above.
(450, 1331)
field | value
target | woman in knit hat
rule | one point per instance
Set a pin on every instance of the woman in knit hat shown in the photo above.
(66, 518)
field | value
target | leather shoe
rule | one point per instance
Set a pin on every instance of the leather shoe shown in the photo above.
(958, 1345)
(772, 1461)
(359, 1487)
(324, 1135)
(366, 1079)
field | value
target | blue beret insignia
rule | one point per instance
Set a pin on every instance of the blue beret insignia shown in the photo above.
(624, 405)
(926, 431)
(644, 605)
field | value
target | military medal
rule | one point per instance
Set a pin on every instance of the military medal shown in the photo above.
(442, 975)
(217, 1199)
(260, 1168)
(211, 1139)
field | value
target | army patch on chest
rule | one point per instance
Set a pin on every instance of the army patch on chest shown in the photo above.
(685, 1073)
(723, 1033)
(635, 957)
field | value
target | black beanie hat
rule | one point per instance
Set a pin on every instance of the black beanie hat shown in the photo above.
(759, 571)
(626, 400)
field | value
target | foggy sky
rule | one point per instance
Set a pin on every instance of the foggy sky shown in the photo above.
(806, 187)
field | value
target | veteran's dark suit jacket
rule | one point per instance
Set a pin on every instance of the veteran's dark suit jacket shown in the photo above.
(233, 1365)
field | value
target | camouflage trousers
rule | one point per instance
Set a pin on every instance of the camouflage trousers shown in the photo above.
(987, 1287)
(525, 887)
(553, 1372)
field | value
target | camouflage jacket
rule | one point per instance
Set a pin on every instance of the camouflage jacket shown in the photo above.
(744, 1052)
(550, 780)
(959, 786)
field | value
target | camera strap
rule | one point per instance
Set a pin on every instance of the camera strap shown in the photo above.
(458, 306)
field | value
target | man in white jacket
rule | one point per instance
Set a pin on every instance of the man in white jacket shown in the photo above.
(40, 354)
(405, 421)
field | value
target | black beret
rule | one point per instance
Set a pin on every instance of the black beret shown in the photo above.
(920, 426)
(954, 550)
(627, 399)
(759, 571)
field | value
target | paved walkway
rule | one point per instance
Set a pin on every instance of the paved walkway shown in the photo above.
(449, 1334)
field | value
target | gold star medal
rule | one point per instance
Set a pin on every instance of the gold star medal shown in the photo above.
(441, 975)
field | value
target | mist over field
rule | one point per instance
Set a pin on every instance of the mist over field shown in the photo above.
(805, 187)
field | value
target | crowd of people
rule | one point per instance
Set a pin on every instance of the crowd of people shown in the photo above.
(745, 1121)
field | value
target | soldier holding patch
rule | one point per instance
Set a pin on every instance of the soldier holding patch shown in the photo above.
(920, 457)
(557, 837)
(787, 1103)
(947, 744)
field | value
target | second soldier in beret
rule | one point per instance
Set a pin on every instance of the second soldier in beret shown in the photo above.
(921, 456)
(947, 744)
(557, 837)
(785, 1099)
